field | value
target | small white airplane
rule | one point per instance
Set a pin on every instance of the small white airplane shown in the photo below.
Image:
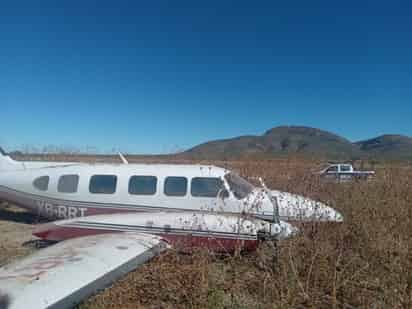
(117, 216)
(63, 190)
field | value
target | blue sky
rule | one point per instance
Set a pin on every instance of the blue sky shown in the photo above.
(157, 76)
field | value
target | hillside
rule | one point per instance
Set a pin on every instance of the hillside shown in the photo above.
(306, 141)
(388, 146)
(278, 141)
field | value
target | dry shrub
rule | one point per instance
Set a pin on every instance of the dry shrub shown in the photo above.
(365, 262)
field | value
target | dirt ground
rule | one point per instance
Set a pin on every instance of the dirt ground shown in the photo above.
(16, 226)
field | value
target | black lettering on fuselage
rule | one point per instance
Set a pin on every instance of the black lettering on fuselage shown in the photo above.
(60, 211)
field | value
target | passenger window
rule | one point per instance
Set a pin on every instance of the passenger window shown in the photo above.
(142, 185)
(41, 183)
(205, 187)
(103, 184)
(175, 186)
(68, 184)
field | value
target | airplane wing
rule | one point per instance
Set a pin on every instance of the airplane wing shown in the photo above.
(62, 275)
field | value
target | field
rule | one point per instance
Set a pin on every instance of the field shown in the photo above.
(365, 262)
(15, 233)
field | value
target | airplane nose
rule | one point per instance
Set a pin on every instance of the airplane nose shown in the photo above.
(336, 216)
(283, 230)
(299, 208)
(327, 213)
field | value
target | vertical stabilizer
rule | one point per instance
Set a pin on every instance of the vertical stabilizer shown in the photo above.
(7, 163)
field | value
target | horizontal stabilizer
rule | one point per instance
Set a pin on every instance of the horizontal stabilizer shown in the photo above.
(62, 275)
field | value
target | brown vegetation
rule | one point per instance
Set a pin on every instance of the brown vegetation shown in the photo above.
(366, 262)
(15, 233)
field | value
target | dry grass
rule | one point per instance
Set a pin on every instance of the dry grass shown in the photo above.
(366, 262)
(15, 232)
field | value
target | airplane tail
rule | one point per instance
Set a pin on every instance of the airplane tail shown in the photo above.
(7, 163)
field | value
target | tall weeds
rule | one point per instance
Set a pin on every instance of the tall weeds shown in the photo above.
(365, 262)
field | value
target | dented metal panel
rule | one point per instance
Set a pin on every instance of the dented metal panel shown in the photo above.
(64, 274)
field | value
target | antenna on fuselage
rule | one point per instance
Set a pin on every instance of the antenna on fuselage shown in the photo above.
(123, 158)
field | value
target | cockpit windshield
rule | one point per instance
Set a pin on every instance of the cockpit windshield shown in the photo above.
(239, 186)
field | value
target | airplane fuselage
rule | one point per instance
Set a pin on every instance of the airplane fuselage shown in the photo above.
(78, 190)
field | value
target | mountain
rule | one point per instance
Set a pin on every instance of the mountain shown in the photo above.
(277, 141)
(306, 141)
(388, 146)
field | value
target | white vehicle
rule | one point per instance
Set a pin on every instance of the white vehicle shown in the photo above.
(344, 172)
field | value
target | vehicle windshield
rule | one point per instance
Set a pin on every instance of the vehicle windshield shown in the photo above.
(332, 169)
(239, 186)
